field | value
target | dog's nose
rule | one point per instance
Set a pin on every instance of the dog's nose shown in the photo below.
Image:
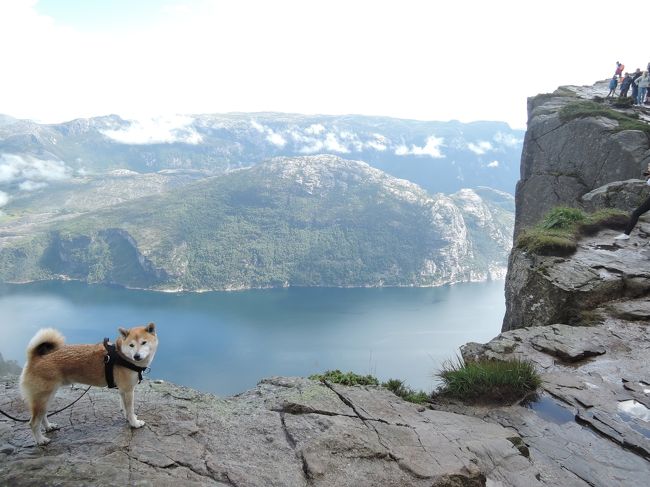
(137, 356)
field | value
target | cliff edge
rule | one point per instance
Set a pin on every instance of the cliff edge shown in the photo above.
(285, 432)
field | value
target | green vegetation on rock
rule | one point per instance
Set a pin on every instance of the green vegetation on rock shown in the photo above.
(560, 229)
(346, 378)
(399, 388)
(396, 386)
(488, 380)
(587, 108)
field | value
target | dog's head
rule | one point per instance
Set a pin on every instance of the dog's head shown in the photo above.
(139, 343)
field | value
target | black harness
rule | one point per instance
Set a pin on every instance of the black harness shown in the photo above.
(113, 358)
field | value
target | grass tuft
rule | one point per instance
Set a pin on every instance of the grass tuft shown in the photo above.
(346, 378)
(396, 386)
(399, 388)
(559, 230)
(488, 380)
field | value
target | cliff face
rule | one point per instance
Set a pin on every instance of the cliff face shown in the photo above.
(564, 158)
(587, 162)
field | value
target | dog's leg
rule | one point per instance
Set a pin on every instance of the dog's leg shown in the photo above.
(38, 407)
(49, 426)
(122, 406)
(127, 397)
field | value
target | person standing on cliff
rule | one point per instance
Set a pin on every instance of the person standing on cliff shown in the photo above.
(635, 87)
(619, 69)
(612, 87)
(625, 85)
(643, 82)
(634, 217)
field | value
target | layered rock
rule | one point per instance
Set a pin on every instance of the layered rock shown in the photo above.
(286, 432)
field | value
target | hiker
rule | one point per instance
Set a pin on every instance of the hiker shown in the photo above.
(634, 217)
(635, 87)
(642, 82)
(625, 85)
(619, 69)
(612, 86)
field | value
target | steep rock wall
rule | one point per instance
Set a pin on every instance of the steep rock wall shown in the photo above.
(580, 162)
(564, 159)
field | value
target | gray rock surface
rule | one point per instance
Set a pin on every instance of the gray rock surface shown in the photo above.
(563, 160)
(542, 290)
(286, 432)
(624, 195)
(580, 422)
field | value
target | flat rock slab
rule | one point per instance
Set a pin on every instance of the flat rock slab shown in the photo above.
(285, 432)
(580, 422)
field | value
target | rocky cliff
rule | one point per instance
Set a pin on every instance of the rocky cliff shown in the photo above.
(580, 153)
(568, 153)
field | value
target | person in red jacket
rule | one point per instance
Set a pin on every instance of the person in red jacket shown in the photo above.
(619, 69)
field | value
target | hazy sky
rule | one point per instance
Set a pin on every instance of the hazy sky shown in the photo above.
(429, 60)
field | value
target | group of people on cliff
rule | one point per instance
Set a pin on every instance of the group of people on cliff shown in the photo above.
(638, 81)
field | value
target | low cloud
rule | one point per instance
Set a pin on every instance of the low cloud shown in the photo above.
(4, 198)
(493, 164)
(508, 140)
(276, 139)
(157, 130)
(31, 185)
(431, 148)
(332, 144)
(31, 170)
(480, 148)
(315, 129)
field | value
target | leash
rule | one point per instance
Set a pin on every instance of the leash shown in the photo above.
(51, 414)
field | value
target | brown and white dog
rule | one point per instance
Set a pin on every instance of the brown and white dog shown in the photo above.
(51, 363)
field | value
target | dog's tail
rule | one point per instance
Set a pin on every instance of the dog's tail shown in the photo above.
(45, 341)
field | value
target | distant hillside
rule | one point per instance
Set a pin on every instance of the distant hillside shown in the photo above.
(439, 156)
(302, 221)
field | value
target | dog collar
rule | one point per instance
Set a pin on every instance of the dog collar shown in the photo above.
(113, 358)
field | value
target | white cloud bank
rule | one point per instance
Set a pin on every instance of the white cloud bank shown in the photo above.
(431, 148)
(31, 171)
(4, 198)
(157, 130)
(494, 163)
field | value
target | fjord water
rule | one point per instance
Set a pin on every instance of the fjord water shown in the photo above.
(225, 342)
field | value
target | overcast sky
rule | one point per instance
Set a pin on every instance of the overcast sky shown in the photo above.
(428, 60)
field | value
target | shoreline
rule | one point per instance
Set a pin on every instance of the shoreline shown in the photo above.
(499, 277)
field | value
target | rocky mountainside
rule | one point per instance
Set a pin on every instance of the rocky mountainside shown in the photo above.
(303, 221)
(439, 156)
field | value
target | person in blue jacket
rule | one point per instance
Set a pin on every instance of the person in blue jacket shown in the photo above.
(613, 83)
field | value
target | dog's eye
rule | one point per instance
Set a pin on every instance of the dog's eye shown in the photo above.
(131, 345)
(144, 343)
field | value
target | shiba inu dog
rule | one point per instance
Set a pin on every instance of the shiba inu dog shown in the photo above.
(51, 363)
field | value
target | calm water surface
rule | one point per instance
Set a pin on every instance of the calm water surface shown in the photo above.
(225, 342)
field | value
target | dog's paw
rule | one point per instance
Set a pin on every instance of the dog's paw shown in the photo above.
(52, 427)
(138, 423)
(43, 441)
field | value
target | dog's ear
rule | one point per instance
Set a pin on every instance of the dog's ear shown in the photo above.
(151, 328)
(123, 331)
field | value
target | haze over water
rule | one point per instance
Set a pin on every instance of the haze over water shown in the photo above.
(225, 342)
